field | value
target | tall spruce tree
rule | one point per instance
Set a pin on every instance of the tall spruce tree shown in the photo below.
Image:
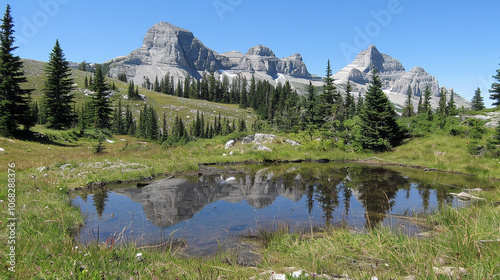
(408, 109)
(477, 101)
(495, 90)
(328, 97)
(100, 104)
(442, 110)
(426, 105)
(57, 91)
(378, 128)
(14, 101)
(451, 108)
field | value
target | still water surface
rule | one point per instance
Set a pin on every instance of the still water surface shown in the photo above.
(232, 201)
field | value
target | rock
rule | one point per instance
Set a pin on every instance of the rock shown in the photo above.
(110, 141)
(466, 196)
(417, 79)
(65, 166)
(230, 144)
(248, 258)
(293, 143)
(450, 271)
(231, 153)
(278, 277)
(263, 138)
(40, 169)
(2, 150)
(249, 139)
(263, 148)
(299, 273)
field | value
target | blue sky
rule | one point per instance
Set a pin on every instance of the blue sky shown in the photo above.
(456, 41)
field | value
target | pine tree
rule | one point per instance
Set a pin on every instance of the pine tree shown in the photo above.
(122, 77)
(328, 97)
(152, 128)
(378, 128)
(100, 104)
(164, 135)
(426, 105)
(495, 90)
(350, 106)
(131, 91)
(442, 110)
(451, 108)
(156, 85)
(14, 101)
(57, 91)
(118, 122)
(420, 107)
(477, 101)
(408, 110)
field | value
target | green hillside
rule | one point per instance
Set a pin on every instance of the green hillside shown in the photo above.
(171, 105)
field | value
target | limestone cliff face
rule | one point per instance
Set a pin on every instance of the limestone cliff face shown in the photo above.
(169, 49)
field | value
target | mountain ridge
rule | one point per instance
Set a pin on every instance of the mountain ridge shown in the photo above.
(168, 49)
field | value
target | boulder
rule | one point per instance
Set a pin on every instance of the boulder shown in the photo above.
(263, 138)
(249, 139)
(230, 144)
(293, 143)
(263, 148)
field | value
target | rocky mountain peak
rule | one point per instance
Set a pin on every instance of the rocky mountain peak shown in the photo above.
(260, 50)
(163, 33)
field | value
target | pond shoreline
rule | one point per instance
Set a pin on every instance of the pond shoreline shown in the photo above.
(99, 184)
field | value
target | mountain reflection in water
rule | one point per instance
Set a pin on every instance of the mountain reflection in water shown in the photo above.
(206, 210)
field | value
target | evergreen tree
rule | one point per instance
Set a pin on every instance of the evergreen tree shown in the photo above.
(442, 110)
(129, 126)
(100, 104)
(350, 105)
(378, 128)
(426, 105)
(156, 85)
(451, 108)
(242, 126)
(118, 122)
(14, 101)
(84, 66)
(408, 110)
(122, 77)
(131, 91)
(178, 90)
(187, 86)
(477, 101)
(164, 134)
(420, 107)
(57, 91)
(359, 104)
(152, 128)
(495, 90)
(328, 97)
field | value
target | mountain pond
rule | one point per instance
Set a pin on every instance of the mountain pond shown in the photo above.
(228, 202)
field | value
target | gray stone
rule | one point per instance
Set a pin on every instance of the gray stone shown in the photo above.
(263, 138)
(248, 257)
(249, 139)
(230, 144)
(263, 148)
(293, 143)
